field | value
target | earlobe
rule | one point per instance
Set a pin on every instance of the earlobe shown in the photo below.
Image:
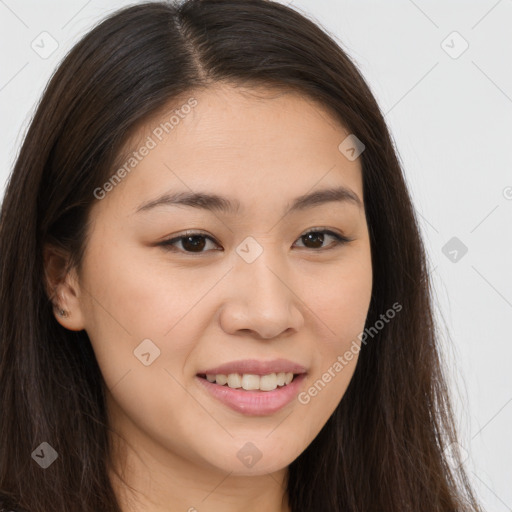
(62, 288)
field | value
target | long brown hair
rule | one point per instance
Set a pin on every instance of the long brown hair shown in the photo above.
(382, 448)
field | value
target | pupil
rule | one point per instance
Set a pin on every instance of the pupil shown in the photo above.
(194, 247)
(317, 238)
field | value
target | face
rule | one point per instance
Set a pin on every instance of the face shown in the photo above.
(171, 291)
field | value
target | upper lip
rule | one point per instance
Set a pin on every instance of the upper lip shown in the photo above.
(255, 367)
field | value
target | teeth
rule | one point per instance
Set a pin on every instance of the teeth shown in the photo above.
(221, 379)
(251, 382)
(268, 382)
(234, 380)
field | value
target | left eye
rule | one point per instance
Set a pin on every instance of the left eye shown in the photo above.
(317, 237)
(195, 242)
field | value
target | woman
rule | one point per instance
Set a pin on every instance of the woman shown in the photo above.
(214, 291)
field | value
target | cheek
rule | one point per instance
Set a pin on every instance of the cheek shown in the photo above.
(137, 297)
(339, 295)
(130, 299)
(346, 305)
(142, 295)
(340, 305)
(135, 302)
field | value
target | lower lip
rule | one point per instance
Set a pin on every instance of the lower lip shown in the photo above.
(255, 403)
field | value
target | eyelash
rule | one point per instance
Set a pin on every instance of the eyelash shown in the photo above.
(169, 244)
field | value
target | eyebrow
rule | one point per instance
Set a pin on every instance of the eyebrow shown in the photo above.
(221, 204)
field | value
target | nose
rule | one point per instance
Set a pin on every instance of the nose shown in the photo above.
(261, 300)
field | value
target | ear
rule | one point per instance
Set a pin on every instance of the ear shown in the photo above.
(62, 288)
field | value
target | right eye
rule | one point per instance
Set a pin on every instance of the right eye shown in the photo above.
(191, 242)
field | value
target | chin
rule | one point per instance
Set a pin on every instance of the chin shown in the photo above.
(254, 458)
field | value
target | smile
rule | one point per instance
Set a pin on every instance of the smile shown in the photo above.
(250, 394)
(251, 382)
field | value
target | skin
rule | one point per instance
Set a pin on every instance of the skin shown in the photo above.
(295, 301)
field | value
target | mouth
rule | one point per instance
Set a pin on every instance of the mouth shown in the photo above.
(251, 382)
(251, 394)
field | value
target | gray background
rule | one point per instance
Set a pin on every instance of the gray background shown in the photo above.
(450, 114)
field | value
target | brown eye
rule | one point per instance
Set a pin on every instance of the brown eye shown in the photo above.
(189, 243)
(315, 239)
(194, 243)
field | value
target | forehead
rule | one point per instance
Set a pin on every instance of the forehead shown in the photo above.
(249, 144)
